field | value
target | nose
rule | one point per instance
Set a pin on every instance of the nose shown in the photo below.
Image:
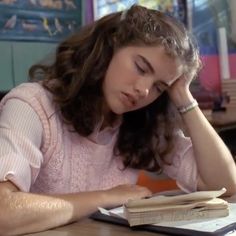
(142, 87)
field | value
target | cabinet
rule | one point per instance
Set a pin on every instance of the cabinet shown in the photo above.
(16, 59)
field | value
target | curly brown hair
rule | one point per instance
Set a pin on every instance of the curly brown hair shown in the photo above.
(75, 79)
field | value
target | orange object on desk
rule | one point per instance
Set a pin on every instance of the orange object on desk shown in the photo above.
(156, 185)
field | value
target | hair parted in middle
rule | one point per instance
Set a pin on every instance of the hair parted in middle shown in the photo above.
(75, 79)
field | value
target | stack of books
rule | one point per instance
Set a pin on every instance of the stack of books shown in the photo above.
(229, 92)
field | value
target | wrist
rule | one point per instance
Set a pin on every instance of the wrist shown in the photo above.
(188, 107)
(108, 199)
(182, 98)
(105, 198)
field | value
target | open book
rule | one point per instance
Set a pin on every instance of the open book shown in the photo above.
(184, 207)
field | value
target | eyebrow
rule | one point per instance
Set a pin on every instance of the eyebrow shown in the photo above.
(148, 64)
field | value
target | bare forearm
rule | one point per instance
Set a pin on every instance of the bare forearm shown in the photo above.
(215, 163)
(25, 212)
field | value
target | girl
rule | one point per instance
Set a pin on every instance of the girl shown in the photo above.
(75, 138)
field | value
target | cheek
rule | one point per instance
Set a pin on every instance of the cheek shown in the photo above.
(148, 100)
(153, 96)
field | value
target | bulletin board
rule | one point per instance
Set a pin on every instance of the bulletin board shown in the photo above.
(39, 20)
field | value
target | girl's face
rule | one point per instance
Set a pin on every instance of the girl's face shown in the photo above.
(136, 76)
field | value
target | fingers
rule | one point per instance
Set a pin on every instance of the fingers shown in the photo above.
(144, 191)
(121, 194)
(139, 191)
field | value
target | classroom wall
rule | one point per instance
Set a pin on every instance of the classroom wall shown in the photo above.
(207, 17)
(17, 57)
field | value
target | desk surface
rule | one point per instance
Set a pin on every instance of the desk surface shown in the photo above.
(222, 120)
(93, 228)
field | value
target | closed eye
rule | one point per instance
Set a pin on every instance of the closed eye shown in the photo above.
(140, 69)
(160, 88)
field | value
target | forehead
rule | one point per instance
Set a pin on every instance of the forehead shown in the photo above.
(164, 65)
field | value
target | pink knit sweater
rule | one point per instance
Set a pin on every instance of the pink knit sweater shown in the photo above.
(40, 154)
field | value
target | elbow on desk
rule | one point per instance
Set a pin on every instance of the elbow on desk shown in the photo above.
(7, 227)
(230, 192)
(7, 218)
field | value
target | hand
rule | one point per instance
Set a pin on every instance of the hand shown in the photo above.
(119, 195)
(179, 91)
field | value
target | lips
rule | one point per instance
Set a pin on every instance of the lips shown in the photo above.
(128, 99)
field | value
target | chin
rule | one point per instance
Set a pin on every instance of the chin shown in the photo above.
(122, 111)
(117, 112)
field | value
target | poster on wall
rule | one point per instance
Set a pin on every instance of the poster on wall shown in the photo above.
(177, 8)
(39, 20)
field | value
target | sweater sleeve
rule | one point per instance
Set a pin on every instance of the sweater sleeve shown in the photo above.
(183, 167)
(20, 139)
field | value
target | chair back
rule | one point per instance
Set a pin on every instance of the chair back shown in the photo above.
(2, 94)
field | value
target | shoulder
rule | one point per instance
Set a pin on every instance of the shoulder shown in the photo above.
(27, 91)
(34, 94)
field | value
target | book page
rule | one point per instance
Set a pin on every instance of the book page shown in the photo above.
(156, 200)
(117, 212)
